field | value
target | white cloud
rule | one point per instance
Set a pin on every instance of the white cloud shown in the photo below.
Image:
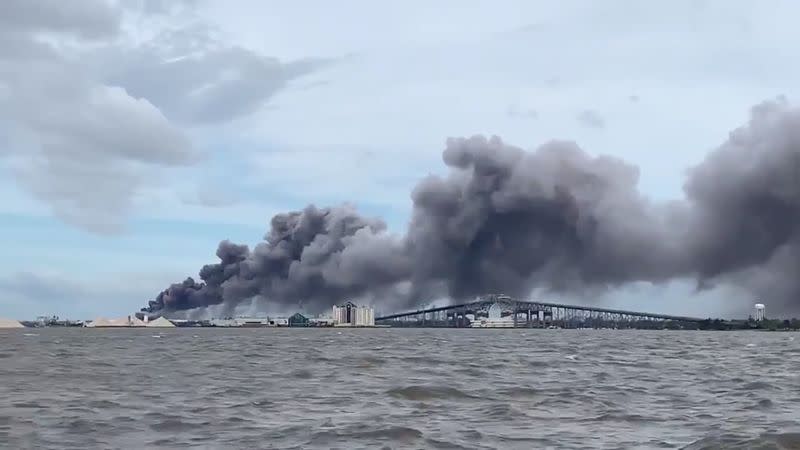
(175, 202)
(335, 174)
(196, 79)
(81, 101)
(86, 153)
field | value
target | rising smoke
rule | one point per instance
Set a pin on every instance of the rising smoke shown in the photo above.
(558, 219)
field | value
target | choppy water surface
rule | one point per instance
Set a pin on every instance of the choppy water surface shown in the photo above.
(398, 388)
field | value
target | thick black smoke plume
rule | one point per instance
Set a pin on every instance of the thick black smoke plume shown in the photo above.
(507, 220)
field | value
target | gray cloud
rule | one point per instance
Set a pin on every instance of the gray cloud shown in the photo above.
(215, 85)
(86, 18)
(552, 82)
(37, 288)
(211, 196)
(162, 7)
(591, 119)
(83, 147)
(30, 294)
(555, 219)
(517, 112)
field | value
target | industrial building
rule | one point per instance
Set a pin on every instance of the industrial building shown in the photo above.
(245, 322)
(494, 319)
(321, 322)
(129, 322)
(299, 320)
(351, 315)
(250, 322)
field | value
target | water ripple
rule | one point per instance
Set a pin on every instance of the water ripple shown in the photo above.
(398, 388)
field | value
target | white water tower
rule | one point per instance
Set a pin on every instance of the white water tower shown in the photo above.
(759, 311)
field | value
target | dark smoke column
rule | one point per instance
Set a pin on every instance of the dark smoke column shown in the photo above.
(314, 257)
(506, 220)
(558, 219)
(745, 201)
(190, 294)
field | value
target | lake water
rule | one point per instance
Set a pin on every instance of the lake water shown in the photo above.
(398, 388)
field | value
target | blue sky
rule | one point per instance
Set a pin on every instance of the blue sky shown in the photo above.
(136, 135)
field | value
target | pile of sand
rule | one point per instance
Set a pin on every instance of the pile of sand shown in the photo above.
(161, 323)
(102, 322)
(8, 323)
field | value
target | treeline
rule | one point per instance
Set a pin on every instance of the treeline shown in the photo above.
(750, 324)
(778, 324)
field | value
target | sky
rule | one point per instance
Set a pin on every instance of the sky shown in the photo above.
(135, 135)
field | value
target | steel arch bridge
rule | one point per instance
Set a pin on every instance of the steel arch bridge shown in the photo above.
(521, 313)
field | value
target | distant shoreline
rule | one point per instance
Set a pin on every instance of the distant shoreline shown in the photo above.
(28, 328)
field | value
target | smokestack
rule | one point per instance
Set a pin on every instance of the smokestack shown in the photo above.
(557, 218)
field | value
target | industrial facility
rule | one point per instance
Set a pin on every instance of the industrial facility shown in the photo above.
(487, 311)
(129, 322)
(494, 318)
(350, 315)
(296, 320)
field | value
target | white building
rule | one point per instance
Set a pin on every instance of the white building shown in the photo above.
(353, 316)
(322, 321)
(760, 308)
(279, 322)
(253, 322)
(495, 319)
(224, 323)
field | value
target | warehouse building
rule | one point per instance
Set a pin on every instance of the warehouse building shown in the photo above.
(298, 320)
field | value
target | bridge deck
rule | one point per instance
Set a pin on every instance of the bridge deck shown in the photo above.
(537, 305)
